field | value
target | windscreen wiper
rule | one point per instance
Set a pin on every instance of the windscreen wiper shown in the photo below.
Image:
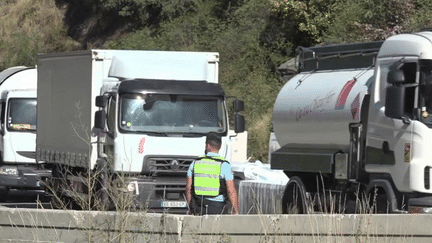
(193, 134)
(160, 134)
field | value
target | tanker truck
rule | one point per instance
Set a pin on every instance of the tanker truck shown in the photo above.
(354, 126)
(18, 168)
(137, 119)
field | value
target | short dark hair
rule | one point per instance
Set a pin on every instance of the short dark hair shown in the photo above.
(214, 140)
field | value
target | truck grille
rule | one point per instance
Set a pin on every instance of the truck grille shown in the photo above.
(170, 188)
(168, 164)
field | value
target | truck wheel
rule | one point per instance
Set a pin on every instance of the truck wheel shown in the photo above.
(102, 197)
(57, 189)
(295, 200)
(54, 188)
(378, 202)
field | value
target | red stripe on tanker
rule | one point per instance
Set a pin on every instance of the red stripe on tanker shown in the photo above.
(343, 95)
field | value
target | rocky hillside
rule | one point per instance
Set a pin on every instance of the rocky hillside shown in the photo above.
(253, 37)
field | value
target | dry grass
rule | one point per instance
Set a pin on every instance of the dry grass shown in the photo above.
(142, 227)
(29, 27)
(83, 194)
(97, 189)
(259, 133)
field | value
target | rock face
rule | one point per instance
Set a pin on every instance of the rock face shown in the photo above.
(287, 70)
(91, 25)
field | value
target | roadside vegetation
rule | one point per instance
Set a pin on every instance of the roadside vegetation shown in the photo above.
(28, 27)
(253, 37)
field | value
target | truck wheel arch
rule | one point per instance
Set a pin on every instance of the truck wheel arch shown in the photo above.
(378, 188)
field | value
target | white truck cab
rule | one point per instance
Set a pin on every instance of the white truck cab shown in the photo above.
(143, 113)
(18, 167)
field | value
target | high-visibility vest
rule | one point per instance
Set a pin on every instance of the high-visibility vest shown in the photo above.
(206, 176)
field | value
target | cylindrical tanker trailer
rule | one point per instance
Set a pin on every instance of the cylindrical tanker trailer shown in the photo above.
(313, 112)
(354, 127)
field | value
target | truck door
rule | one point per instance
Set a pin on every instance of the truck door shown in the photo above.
(390, 140)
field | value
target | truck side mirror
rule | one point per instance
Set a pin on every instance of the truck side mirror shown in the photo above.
(396, 77)
(395, 102)
(100, 119)
(101, 101)
(239, 123)
(238, 105)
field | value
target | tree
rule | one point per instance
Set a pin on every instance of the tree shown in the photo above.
(311, 18)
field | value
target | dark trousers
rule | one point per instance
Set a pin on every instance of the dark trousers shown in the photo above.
(204, 206)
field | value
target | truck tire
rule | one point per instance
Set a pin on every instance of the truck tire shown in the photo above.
(378, 202)
(57, 188)
(295, 199)
(382, 198)
(102, 197)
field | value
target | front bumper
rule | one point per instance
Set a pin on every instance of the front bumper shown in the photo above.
(420, 205)
(23, 177)
(159, 195)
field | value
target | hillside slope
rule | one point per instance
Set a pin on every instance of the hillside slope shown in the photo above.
(253, 37)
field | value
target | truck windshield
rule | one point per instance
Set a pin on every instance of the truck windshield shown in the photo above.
(172, 114)
(21, 114)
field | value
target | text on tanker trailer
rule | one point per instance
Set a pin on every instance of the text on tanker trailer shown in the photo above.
(143, 113)
(357, 119)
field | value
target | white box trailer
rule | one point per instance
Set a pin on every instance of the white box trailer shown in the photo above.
(145, 113)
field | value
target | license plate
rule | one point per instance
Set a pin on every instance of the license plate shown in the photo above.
(174, 204)
(8, 171)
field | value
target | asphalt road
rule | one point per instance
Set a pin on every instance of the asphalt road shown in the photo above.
(25, 199)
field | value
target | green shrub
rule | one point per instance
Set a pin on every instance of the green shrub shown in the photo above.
(28, 27)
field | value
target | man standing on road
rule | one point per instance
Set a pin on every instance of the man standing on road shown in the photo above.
(210, 181)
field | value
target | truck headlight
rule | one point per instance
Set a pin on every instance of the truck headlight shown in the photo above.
(8, 170)
(133, 187)
(417, 209)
